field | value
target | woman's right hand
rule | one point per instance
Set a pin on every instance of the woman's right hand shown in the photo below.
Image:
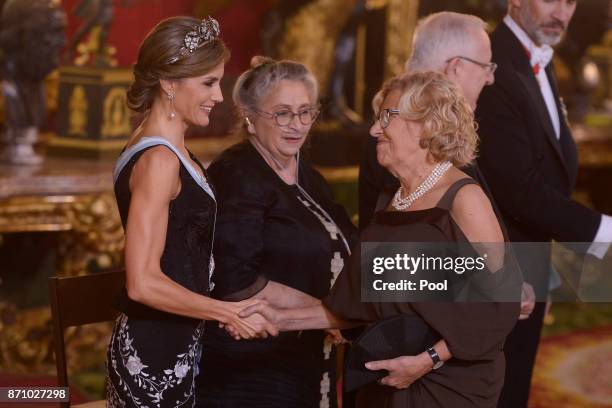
(252, 325)
(263, 309)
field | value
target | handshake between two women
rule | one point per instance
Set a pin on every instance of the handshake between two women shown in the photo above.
(260, 319)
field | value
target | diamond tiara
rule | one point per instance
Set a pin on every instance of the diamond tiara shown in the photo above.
(202, 33)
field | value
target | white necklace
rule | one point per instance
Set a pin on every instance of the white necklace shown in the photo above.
(436, 174)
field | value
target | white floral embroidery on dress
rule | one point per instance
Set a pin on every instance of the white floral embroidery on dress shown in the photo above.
(329, 225)
(154, 386)
(336, 265)
(325, 388)
(134, 365)
(112, 397)
(211, 269)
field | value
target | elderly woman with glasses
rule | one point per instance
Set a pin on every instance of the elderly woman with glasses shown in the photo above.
(425, 132)
(280, 237)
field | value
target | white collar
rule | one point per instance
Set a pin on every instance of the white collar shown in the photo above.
(542, 54)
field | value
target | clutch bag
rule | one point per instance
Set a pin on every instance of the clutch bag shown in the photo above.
(402, 335)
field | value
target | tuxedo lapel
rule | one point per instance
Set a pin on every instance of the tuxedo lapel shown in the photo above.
(533, 89)
(515, 55)
(568, 147)
(552, 79)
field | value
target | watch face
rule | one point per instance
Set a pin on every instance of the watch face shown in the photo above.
(438, 365)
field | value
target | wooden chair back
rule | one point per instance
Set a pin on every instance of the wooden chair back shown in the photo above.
(79, 300)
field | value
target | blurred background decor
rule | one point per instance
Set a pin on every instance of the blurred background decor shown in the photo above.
(31, 37)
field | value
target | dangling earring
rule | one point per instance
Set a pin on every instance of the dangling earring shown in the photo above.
(171, 96)
(250, 128)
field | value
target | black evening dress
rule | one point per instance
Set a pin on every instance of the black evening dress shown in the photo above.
(153, 356)
(474, 332)
(291, 234)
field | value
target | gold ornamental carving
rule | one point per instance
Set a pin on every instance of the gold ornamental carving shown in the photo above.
(78, 111)
(25, 339)
(311, 35)
(116, 114)
(310, 38)
(92, 234)
(91, 48)
(26, 346)
(96, 236)
(91, 238)
(402, 17)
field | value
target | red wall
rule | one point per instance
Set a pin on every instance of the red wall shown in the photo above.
(240, 27)
(240, 24)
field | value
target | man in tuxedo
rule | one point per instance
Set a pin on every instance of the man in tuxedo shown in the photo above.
(529, 160)
(456, 45)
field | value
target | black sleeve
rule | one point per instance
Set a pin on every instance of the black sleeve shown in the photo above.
(511, 167)
(373, 179)
(472, 330)
(239, 230)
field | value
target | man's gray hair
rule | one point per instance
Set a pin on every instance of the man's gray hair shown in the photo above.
(441, 36)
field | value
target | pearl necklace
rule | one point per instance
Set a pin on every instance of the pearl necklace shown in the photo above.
(436, 174)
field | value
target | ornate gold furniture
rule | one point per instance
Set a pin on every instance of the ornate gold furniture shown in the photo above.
(93, 117)
(73, 198)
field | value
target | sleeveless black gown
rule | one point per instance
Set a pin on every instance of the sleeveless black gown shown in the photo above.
(153, 356)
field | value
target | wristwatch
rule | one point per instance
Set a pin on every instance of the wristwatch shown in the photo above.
(437, 363)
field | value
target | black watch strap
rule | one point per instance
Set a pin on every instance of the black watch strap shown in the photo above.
(437, 363)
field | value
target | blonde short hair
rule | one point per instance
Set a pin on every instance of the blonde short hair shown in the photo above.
(431, 99)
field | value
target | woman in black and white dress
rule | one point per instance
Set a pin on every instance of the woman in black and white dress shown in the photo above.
(280, 237)
(168, 210)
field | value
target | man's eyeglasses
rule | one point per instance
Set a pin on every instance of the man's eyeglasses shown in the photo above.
(285, 117)
(489, 66)
(385, 115)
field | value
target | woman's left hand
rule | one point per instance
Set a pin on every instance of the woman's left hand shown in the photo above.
(403, 371)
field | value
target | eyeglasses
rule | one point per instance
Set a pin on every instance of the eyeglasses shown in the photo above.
(384, 117)
(285, 117)
(489, 66)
